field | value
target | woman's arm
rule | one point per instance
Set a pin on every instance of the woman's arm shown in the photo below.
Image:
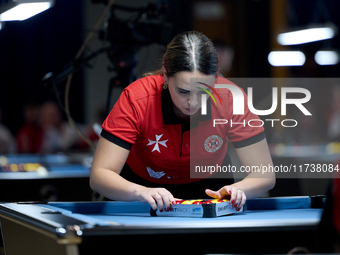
(105, 178)
(256, 183)
(256, 156)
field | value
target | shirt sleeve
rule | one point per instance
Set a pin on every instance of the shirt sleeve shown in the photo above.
(122, 125)
(245, 129)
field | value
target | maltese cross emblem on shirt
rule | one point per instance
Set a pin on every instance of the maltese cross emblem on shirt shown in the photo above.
(157, 142)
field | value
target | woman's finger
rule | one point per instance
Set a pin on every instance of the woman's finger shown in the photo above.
(159, 200)
(165, 200)
(213, 194)
(243, 201)
(238, 197)
(152, 202)
(233, 195)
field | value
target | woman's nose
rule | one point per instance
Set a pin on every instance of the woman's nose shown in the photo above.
(193, 101)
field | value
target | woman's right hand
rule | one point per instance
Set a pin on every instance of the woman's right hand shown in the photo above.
(156, 197)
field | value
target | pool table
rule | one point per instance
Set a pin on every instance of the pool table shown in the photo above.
(44, 177)
(267, 225)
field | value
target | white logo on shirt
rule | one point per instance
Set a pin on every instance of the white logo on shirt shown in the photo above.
(154, 174)
(156, 147)
(213, 143)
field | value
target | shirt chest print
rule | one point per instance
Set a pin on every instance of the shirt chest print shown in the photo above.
(157, 142)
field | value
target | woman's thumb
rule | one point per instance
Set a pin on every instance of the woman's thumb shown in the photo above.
(213, 194)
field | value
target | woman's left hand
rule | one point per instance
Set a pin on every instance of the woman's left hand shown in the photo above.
(235, 194)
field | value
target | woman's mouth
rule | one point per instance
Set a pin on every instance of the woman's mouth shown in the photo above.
(191, 110)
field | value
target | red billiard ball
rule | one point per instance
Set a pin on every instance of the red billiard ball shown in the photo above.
(178, 202)
(197, 203)
(207, 202)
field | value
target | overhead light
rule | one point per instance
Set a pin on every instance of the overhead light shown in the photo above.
(326, 57)
(23, 9)
(286, 58)
(311, 34)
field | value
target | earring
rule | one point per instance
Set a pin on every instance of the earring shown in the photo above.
(165, 85)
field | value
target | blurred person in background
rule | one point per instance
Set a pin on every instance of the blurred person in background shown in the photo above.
(51, 122)
(45, 131)
(29, 138)
(7, 141)
(225, 55)
(93, 130)
(58, 134)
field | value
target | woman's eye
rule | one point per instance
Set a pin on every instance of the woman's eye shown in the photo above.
(183, 91)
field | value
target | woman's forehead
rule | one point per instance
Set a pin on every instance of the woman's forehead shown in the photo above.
(194, 79)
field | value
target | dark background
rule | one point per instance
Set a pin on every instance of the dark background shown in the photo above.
(29, 49)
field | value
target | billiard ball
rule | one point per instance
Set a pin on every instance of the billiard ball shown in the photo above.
(186, 202)
(178, 202)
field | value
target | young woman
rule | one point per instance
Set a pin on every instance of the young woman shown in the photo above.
(144, 152)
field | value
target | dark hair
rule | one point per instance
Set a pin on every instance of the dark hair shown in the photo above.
(189, 51)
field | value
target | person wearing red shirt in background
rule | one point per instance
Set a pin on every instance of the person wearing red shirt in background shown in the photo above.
(30, 136)
(7, 141)
(143, 153)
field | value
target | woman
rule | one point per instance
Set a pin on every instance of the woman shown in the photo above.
(147, 135)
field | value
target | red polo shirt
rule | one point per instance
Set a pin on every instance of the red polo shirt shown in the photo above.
(143, 121)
